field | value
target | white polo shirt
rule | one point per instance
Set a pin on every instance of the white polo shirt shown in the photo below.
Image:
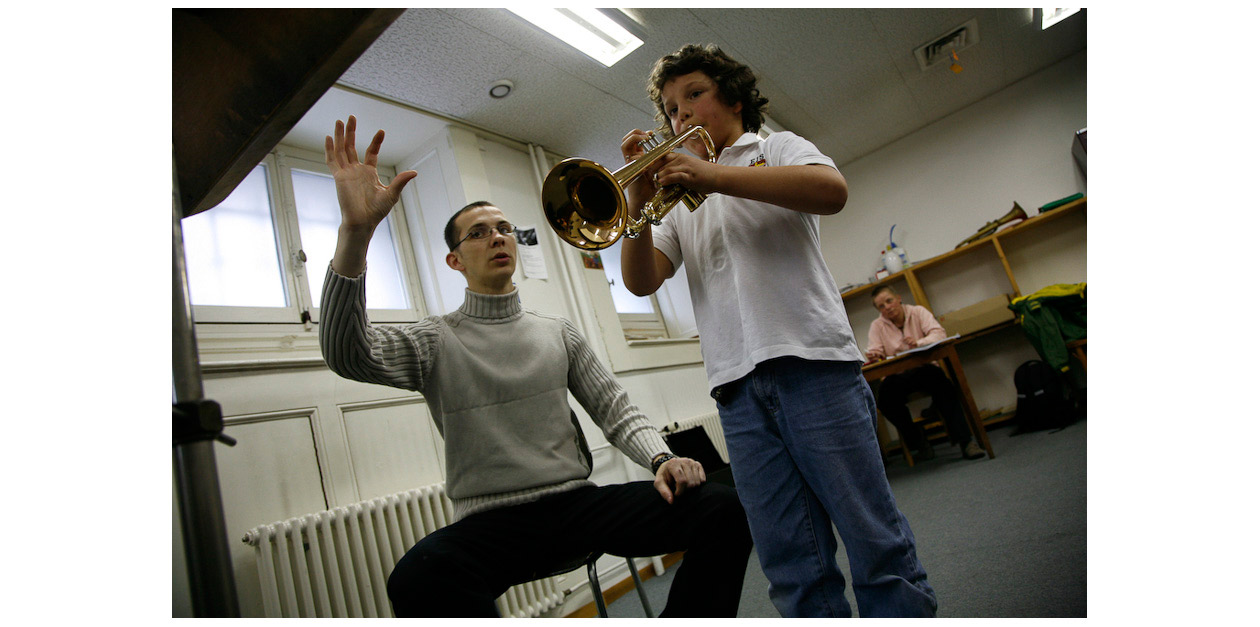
(759, 285)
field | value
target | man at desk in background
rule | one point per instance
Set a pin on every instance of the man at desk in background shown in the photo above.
(900, 328)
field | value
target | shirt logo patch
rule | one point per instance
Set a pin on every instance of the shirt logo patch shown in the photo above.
(759, 161)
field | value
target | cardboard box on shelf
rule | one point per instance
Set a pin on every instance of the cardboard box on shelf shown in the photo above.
(981, 315)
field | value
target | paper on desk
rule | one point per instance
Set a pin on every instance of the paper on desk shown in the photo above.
(929, 346)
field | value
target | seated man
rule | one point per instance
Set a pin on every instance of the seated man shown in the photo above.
(496, 379)
(900, 328)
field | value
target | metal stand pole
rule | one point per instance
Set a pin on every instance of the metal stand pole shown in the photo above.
(197, 424)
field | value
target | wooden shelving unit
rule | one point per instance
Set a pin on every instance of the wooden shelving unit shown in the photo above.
(993, 242)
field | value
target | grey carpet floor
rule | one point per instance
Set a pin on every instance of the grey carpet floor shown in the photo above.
(1002, 537)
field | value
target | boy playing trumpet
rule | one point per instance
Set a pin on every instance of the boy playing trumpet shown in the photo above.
(780, 356)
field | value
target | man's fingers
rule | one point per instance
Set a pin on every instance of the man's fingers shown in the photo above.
(662, 488)
(396, 186)
(352, 157)
(374, 148)
(687, 473)
(339, 142)
(329, 151)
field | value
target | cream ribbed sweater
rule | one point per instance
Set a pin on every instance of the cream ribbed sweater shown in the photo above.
(496, 378)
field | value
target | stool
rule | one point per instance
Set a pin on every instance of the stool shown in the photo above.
(593, 576)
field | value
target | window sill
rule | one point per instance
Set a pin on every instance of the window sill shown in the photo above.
(640, 355)
(255, 365)
(227, 348)
(661, 341)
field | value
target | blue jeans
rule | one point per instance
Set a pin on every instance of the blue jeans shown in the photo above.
(804, 456)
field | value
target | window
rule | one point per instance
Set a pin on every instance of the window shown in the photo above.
(231, 251)
(666, 313)
(318, 216)
(640, 316)
(261, 254)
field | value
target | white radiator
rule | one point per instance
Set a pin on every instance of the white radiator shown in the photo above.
(712, 428)
(335, 563)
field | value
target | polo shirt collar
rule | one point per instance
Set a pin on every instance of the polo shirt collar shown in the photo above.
(745, 139)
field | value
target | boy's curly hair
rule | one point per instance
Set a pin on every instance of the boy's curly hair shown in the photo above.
(735, 81)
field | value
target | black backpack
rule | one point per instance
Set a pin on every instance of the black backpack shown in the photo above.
(1043, 402)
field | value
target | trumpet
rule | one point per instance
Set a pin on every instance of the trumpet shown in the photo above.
(586, 204)
(1016, 213)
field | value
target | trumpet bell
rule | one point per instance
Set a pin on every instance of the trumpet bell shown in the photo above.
(584, 204)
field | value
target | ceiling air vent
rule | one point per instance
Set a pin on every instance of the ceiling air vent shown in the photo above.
(939, 49)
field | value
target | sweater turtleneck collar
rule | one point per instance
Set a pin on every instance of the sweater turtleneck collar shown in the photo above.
(490, 306)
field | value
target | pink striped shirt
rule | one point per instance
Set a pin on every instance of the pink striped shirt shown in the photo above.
(921, 328)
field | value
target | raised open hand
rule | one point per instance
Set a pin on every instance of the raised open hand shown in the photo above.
(364, 200)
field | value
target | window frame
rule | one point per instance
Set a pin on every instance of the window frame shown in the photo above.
(287, 157)
(278, 166)
(291, 312)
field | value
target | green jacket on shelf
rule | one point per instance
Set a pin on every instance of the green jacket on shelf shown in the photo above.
(1051, 317)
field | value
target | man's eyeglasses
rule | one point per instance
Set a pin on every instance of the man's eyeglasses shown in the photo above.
(482, 231)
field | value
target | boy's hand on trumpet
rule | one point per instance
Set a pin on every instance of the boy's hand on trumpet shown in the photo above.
(697, 175)
(643, 187)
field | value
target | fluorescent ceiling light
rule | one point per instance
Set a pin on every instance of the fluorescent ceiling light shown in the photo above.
(587, 30)
(1050, 17)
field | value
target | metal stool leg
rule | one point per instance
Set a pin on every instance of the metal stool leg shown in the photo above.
(596, 591)
(638, 585)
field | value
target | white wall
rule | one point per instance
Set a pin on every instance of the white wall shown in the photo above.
(940, 184)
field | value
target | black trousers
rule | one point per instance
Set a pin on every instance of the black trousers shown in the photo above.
(460, 569)
(895, 391)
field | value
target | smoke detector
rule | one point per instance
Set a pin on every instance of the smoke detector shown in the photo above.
(500, 89)
(940, 49)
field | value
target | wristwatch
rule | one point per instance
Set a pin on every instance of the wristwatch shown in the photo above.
(661, 459)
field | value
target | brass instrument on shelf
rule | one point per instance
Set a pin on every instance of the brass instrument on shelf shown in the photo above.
(586, 204)
(1016, 213)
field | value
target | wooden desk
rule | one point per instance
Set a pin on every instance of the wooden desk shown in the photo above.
(945, 353)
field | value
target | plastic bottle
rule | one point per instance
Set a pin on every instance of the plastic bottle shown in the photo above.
(905, 260)
(901, 254)
(892, 262)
